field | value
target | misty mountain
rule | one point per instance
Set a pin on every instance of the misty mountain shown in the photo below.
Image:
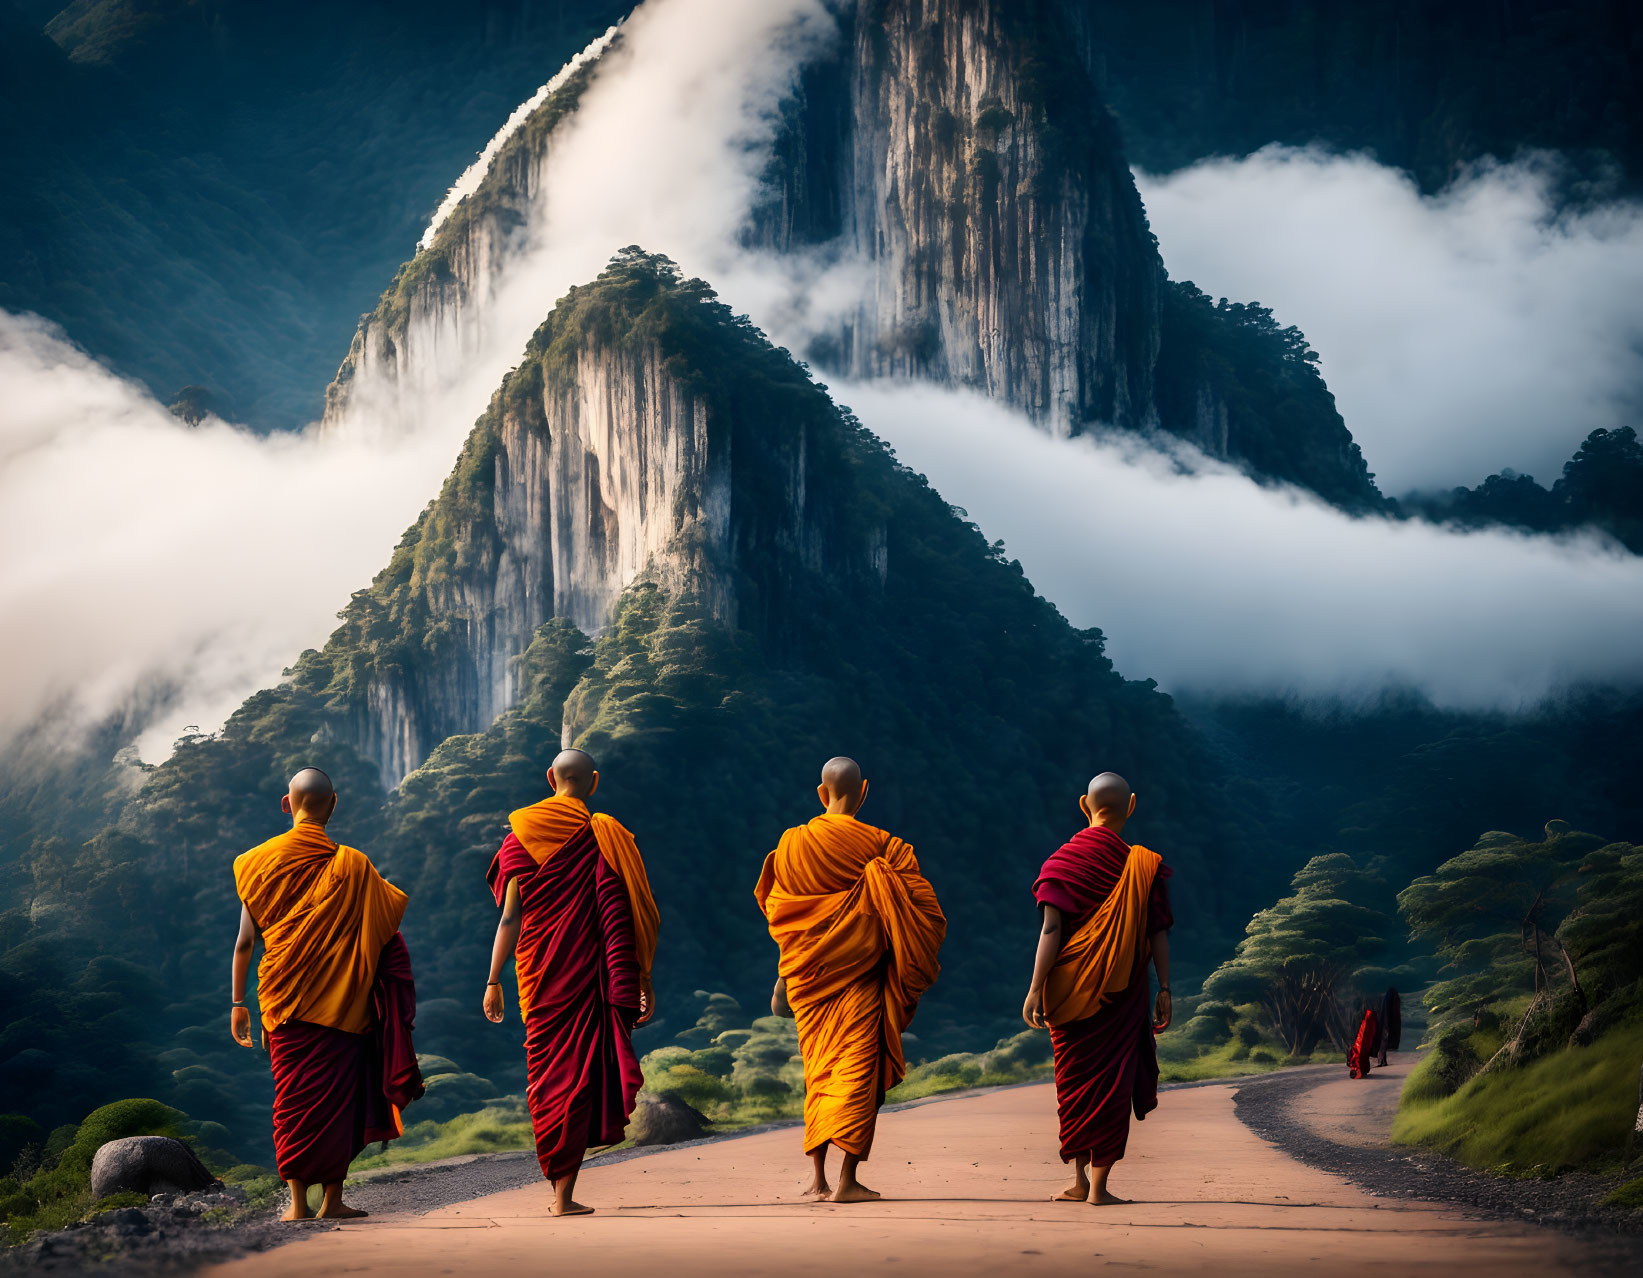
(1601, 487)
(962, 153)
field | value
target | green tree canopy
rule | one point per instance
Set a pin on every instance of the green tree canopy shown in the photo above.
(1492, 914)
(1299, 956)
(1603, 934)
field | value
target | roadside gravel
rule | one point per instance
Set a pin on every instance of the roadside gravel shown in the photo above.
(1267, 1106)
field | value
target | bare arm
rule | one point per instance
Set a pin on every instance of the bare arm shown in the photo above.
(1163, 1007)
(779, 1005)
(1050, 940)
(507, 937)
(239, 1020)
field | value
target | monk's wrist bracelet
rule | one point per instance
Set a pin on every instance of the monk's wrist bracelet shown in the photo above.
(493, 982)
(1163, 989)
(237, 1005)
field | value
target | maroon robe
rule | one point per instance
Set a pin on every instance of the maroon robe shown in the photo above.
(576, 956)
(1106, 1064)
(336, 1092)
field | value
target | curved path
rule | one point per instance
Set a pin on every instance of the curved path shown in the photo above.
(966, 1183)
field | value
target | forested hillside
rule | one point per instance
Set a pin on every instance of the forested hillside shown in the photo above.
(1426, 85)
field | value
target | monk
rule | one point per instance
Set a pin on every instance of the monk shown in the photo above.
(1390, 1024)
(580, 924)
(859, 928)
(1104, 909)
(336, 995)
(1361, 1057)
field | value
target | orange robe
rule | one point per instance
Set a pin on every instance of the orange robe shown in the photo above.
(336, 996)
(859, 929)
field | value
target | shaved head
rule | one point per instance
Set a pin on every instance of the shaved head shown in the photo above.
(310, 795)
(1109, 792)
(573, 773)
(841, 778)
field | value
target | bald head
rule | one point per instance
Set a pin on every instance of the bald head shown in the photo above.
(1108, 799)
(573, 774)
(842, 788)
(310, 796)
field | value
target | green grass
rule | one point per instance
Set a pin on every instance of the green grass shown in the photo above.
(493, 1130)
(1235, 1060)
(1628, 1195)
(935, 1078)
(1571, 1109)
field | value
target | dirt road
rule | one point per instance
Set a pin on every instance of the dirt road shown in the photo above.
(967, 1183)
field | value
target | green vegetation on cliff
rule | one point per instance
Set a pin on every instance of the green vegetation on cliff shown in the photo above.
(1236, 383)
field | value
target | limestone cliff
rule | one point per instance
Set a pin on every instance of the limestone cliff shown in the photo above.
(958, 150)
(961, 151)
(599, 464)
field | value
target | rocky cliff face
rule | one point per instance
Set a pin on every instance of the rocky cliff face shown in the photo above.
(960, 151)
(597, 466)
(963, 151)
(967, 158)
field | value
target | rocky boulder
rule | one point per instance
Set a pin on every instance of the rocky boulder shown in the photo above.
(148, 1165)
(665, 1120)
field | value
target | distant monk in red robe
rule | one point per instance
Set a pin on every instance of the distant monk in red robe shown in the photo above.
(580, 924)
(1364, 1047)
(1105, 911)
(336, 995)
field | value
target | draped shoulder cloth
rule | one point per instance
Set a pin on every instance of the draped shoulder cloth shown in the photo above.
(545, 827)
(324, 913)
(1099, 960)
(841, 898)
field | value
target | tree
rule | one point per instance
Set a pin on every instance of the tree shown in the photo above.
(1299, 955)
(1603, 484)
(1492, 915)
(1604, 935)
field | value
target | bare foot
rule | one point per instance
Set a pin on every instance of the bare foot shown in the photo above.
(857, 1193)
(1077, 1192)
(342, 1211)
(817, 1189)
(571, 1209)
(297, 1211)
(1104, 1199)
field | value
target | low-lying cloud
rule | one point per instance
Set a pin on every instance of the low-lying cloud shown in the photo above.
(144, 559)
(1208, 582)
(1461, 333)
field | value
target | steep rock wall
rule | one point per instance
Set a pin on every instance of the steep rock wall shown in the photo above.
(974, 168)
(589, 473)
